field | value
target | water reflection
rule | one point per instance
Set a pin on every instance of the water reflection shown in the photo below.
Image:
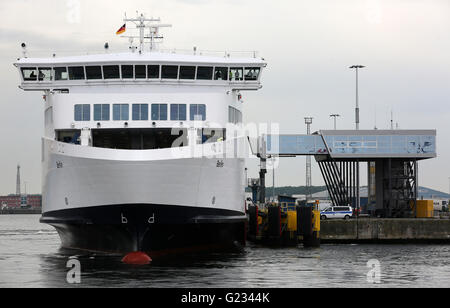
(30, 257)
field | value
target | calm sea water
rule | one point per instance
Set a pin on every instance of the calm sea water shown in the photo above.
(30, 256)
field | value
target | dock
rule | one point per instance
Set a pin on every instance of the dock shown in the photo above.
(385, 230)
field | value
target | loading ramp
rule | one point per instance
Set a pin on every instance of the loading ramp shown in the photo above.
(392, 157)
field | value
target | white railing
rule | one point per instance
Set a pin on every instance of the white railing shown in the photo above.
(35, 53)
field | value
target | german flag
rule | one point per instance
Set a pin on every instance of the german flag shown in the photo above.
(122, 29)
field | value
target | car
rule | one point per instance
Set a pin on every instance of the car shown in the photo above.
(337, 212)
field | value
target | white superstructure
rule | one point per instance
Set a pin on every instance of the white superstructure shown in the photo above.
(140, 128)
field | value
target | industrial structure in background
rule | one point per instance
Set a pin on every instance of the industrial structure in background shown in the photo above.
(20, 201)
(18, 190)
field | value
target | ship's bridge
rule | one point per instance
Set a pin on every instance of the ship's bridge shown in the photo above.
(149, 68)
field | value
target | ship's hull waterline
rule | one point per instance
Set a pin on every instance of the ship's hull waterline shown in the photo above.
(179, 229)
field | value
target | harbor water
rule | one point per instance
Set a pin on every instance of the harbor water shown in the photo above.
(30, 256)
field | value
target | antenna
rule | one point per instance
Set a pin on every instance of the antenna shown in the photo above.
(375, 113)
(392, 119)
(24, 49)
(152, 24)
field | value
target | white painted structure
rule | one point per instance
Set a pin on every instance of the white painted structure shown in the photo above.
(145, 95)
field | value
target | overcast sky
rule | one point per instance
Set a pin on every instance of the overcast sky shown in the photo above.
(308, 44)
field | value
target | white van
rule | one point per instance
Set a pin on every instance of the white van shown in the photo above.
(337, 212)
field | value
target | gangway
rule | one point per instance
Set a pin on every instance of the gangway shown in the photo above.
(392, 157)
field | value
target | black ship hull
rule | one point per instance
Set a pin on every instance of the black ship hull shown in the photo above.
(154, 229)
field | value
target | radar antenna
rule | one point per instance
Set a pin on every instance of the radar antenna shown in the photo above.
(153, 25)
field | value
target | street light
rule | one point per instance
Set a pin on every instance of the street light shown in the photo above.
(356, 67)
(308, 122)
(334, 116)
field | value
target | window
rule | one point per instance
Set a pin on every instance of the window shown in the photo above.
(127, 72)
(29, 73)
(236, 74)
(187, 72)
(169, 72)
(234, 115)
(238, 116)
(76, 73)
(94, 72)
(45, 74)
(101, 112)
(252, 73)
(111, 72)
(139, 138)
(153, 71)
(140, 72)
(120, 112)
(159, 112)
(61, 73)
(204, 72)
(69, 136)
(211, 135)
(178, 112)
(221, 73)
(82, 112)
(140, 112)
(198, 112)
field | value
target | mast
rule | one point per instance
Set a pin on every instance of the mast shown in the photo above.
(143, 23)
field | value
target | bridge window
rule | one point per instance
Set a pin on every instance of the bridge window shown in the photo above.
(236, 74)
(153, 71)
(204, 72)
(169, 72)
(82, 112)
(159, 112)
(187, 72)
(121, 112)
(140, 112)
(76, 73)
(178, 112)
(29, 73)
(252, 73)
(61, 73)
(140, 72)
(111, 72)
(94, 72)
(101, 112)
(197, 112)
(127, 72)
(45, 74)
(221, 73)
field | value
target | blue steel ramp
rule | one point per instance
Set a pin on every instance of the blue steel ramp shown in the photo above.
(356, 144)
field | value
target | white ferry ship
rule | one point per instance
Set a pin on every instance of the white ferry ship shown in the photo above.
(137, 154)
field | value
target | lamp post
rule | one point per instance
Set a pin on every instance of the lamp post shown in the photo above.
(356, 67)
(308, 122)
(335, 116)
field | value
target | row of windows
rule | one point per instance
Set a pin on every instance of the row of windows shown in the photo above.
(234, 115)
(140, 72)
(159, 112)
